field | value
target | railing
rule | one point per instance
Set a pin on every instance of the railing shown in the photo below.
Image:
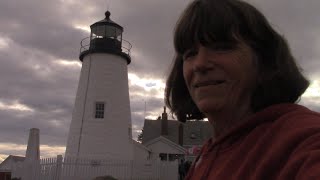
(85, 44)
(125, 45)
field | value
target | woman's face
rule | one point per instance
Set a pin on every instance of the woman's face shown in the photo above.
(220, 78)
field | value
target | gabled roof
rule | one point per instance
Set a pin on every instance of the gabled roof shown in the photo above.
(135, 143)
(166, 141)
(194, 132)
(15, 159)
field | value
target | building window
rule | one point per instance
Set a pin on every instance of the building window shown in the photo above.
(99, 110)
(163, 156)
(170, 157)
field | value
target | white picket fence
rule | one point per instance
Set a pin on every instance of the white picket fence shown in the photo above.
(85, 169)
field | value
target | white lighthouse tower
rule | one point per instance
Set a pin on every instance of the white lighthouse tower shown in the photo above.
(101, 119)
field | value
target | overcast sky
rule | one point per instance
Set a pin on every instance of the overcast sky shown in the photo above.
(39, 49)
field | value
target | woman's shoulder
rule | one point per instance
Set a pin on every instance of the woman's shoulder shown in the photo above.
(296, 128)
(299, 128)
(288, 124)
(298, 116)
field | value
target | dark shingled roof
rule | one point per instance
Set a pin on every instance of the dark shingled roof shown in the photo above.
(194, 132)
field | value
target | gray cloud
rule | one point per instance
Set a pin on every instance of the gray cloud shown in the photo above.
(39, 33)
(298, 21)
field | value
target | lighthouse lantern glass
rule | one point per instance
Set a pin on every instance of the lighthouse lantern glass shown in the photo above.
(106, 31)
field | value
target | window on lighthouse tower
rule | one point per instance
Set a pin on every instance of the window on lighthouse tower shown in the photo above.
(99, 114)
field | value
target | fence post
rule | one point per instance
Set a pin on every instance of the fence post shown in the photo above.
(131, 169)
(58, 167)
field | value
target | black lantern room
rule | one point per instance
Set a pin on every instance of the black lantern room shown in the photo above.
(106, 37)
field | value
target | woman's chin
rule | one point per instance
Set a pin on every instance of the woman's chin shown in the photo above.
(208, 107)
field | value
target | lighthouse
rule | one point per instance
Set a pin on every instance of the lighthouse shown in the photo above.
(101, 118)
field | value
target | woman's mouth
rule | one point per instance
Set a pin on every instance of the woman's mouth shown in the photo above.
(208, 83)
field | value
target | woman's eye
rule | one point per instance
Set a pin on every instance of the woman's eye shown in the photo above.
(188, 54)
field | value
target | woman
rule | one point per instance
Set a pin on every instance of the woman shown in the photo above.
(233, 68)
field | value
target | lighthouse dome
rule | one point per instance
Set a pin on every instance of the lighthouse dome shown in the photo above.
(106, 27)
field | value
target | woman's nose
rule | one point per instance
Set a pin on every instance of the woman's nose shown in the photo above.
(202, 61)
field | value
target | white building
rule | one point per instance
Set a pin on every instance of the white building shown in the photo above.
(170, 139)
(101, 119)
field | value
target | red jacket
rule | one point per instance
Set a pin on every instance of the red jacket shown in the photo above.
(280, 142)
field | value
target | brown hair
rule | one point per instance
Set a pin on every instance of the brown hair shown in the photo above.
(225, 21)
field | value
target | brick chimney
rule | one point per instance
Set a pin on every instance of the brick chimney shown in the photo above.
(164, 122)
